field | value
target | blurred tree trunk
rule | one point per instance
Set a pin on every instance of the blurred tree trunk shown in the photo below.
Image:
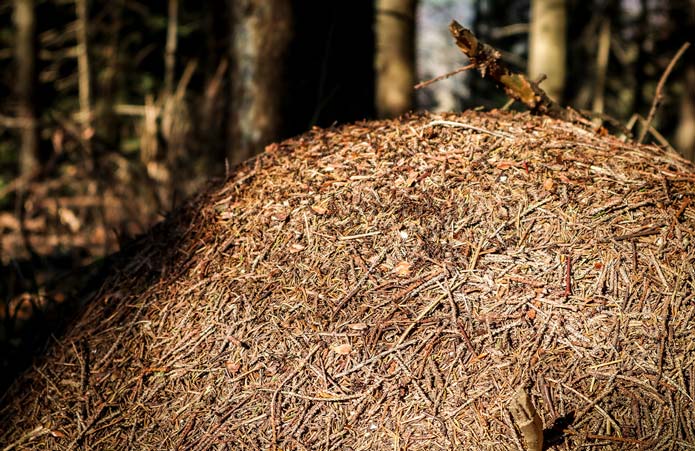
(395, 56)
(170, 49)
(643, 39)
(211, 123)
(106, 119)
(260, 33)
(548, 45)
(602, 55)
(25, 54)
(331, 71)
(685, 133)
(84, 79)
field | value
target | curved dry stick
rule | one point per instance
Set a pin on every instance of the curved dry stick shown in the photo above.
(658, 94)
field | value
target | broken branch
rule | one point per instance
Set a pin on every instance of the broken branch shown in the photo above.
(658, 95)
(488, 61)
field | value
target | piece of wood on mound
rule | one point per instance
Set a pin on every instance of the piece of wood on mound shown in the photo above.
(391, 285)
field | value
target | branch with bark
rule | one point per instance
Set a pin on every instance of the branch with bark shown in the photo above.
(488, 61)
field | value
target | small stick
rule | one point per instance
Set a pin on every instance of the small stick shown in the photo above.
(684, 204)
(423, 84)
(470, 127)
(568, 276)
(658, 95)
(647, 232)
(466, 338)
(634, 256)
(345, 299)
(275, 408)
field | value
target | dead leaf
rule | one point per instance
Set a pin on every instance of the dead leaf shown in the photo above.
(57, 434)
(342, 349)
(232, 367)
(296, 247)
(319, 209)
(402, 268)
(548, 184)
(279, 216)
(357, 326)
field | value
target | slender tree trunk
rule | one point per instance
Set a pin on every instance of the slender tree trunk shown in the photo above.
(260, 35)
(25, 25)
(170, 50)
(685, 132)
(548, 45)
(642, 39)
(682, 13)
(84, 78)
(604, 43)
(395, 56)
(107, 83)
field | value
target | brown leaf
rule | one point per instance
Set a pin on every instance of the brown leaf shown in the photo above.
(232, 367)
(548, 184)
(279, 216)
(402, 268)
(296, 247)
(357, 326)
(319, 209)
(342, 349)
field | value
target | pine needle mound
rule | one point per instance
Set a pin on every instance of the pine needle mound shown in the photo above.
(391, 286)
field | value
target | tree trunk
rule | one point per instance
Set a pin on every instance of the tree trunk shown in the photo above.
(170, 50)
(682, 13)
(106, 120)
(260, 35)
(602, 55)
(685, 133)
(395, 56)
(84, 79)
(548, 45)
(25, 25)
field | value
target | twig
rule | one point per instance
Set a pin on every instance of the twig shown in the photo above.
(654, 132)
(380, 356)
(658, 95)
(90, 422)
(681, 209)
(423, 84)
(329, 397)
(419, 318)
(31, 435)
(466, 338)
(568, 276)
(345, 299)
(647, 232)
(470, 127)
(274, 400)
